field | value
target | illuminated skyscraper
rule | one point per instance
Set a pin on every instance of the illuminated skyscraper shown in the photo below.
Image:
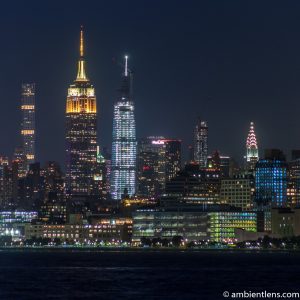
(81, 132)
(28, 122)
(123, 165)
(159, 160)
(200, 143)
(271, 184)
(251, 148)
(271, 180)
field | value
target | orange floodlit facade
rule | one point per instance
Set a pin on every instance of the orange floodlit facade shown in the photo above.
(81, 132)
(27, 132)
(27, 107)
(81, 104)
(81, 95)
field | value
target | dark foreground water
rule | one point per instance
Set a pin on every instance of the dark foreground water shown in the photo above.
(144, 274)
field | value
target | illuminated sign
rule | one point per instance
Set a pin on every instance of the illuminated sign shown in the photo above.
(158, 142)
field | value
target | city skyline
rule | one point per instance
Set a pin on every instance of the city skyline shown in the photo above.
(217, 104)
(149, 149)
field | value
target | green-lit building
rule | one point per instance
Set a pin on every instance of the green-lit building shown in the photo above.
(222, 224)
(193, 225)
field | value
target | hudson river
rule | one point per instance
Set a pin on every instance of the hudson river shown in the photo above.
(144, 274)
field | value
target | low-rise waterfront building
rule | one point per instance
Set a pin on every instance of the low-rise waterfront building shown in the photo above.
(105, 230)
(12, 222)
(285, 221)
(208, 224)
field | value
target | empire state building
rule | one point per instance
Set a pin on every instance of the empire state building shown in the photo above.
(81, 132)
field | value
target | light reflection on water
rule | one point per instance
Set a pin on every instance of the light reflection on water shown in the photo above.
(143, 274)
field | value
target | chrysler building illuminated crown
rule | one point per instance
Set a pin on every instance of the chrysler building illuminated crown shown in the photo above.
(251, 148)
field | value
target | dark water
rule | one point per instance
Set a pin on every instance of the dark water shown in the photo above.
(144, 274)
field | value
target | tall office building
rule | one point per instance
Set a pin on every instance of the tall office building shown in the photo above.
(31, 189)
(54, 182)
(20, 159)
(173, 158)
(192, 186)
(81, 132)
(219, 162)
(53, 206)
(123, 164)
(251, 149)
(150, 168)
(200, 143)
(28, 122)
(159, 160)
(101, 184)
(271, 180)
(107, 157)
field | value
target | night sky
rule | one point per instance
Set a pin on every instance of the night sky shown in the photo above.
(229, 62)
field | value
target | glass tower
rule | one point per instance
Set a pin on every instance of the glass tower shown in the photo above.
(200, 144)
(271, 183)
(28, 122)
(123, 164)
(81, 132)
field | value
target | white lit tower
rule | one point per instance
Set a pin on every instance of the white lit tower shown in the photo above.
(200, 143)
(123, 164)
(251, 149)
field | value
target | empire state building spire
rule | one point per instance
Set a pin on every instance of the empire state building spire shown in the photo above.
(81, 75)
(81, 133)
(81, 49)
